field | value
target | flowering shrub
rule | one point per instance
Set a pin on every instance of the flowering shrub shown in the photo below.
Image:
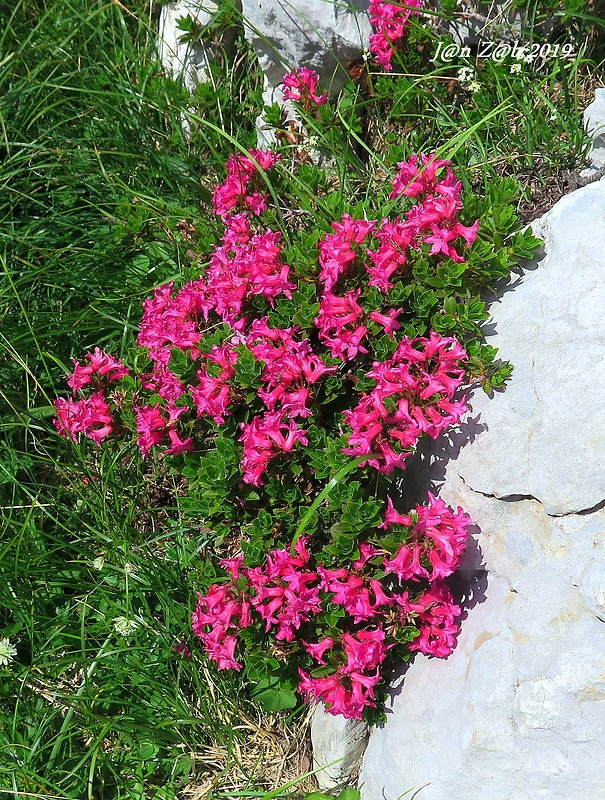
(390, 22)
(377, 603)
(296, 358)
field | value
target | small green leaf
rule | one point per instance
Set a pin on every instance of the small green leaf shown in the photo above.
(274, 695)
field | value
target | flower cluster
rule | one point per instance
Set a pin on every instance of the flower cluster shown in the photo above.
(413, 396)
(414, 393)
(433, 220)
(290, 366)
(7, 652)
(90, 415)
(241, 189)
(301, 85)
(390, 22)
(284, 600)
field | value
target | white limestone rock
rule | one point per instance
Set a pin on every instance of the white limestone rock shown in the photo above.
(545, 434)
(338, 747)
(594, 122)
(517, 712)
(319, 34)
(185, 61)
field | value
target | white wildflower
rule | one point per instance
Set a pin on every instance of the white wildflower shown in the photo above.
(7, 652)
(515, 68)
(474, 86)
(129, 568)
(124, 626)
(98, 563)
(523, 54)
(466, 75)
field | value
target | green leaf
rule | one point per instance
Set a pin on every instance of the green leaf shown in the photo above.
(349, 794)
(274, 694)
(247, 369)
(179, 362)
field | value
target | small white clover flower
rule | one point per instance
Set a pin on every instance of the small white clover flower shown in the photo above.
(515, 68)
(524, 54)
(474, 86)
(98, 563)
(7, 652)
(466, 74)
(129, 568)
(124, 626)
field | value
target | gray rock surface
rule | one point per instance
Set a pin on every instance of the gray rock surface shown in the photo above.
(517, 712)
(338, 747)
(320, 34)
(185, 61)
(545, 434)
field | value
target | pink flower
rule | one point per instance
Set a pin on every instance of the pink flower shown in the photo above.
(241, 269)
(100, 365)
(338, 323)
(283, 594)
(90, 416)
(435, 541)
(436, 615)
(337, 250)
(265, 438)
(365, 650)
(395, 239)
(173, 321)
(349, 702)
(317, 650)
(242, 173)
(388, 320)
(412, 397)
(233, 566)
(413, 180)
(289, 363)
(165, 383)
(225, 614)
(178, 445)
(151, 426)
(212, 395)
(390, 22)
(301, 85)
(433, 220)
(366, 552)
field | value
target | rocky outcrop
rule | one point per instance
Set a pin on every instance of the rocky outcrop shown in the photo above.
(517, 712)
(319, 34)
(185, 60)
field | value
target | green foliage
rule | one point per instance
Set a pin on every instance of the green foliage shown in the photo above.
(104, 198)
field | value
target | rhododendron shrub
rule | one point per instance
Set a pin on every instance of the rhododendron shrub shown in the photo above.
(339, 629)
(286, 385)
(390, 22)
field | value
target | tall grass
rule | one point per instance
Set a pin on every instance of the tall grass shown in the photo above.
(95, 177)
